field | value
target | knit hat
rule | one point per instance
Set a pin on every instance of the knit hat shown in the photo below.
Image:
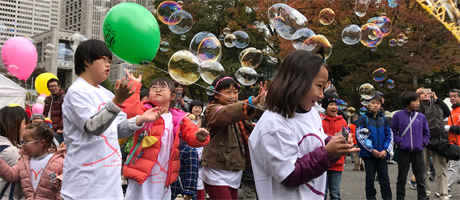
(328, 98)
(37, 116)
(49, 122)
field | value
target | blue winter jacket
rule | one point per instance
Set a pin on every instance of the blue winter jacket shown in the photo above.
(416, 137)
(379, 133)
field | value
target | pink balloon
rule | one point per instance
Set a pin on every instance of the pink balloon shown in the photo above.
(43, 95)
(37, 108)
(20, 51)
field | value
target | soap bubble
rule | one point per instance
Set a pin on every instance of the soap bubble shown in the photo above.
(363, 110)
(401, 36)
(286, 20)
(390, 83)
(321, 112)
(372, 35)
(65, 56)
(342, 104)
(242, 39)
(102, 5)
(164, 46)
(365, 102)
(314, 43)
(408, 30)
(180, 3)
(351, 34)
(211, 70)
(13, 70)
(392, 42)
(184, 67)
(165, 10)
(256, 24)
(210, 90)
(227, 31)
(361, 7)
(383, 22)
(351, 111)
(197, 40)
(379, 74)
(209, 49)
(230, 40)
(251, 57)
(47, 54)
(246, 76)
(301, 35)
(221, 38)
(183, 37)
(326, 16)
(49, 47)
(76, 39)
(366, 91)
(180, 22)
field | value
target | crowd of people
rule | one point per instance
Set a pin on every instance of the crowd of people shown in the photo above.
(157, 144)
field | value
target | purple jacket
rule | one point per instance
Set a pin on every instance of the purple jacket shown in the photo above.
(416, 137)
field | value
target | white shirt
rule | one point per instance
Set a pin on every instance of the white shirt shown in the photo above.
(37, 167)
(275, 145)
(220, 177)
(154, 186)
(199, 185)
(92, 166)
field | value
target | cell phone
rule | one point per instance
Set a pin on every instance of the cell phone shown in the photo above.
(179, 94)
(427, 90)
(345, 133)
(52, 178)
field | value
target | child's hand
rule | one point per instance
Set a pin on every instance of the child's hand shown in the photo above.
(132, 78)
(383, 154)
(262, 93)
(202, 134)
(375, 153)
(337, 147)
(150, 115)
(122, 91)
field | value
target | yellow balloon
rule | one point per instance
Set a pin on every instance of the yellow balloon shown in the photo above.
(14, 105)
(42, 81)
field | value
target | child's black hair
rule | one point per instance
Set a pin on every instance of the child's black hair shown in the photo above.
(144, 93)
(293, 80)
(223, 84)
(169, 83)
(43, 132)
(89, 51)
(407, 97)
(195, 103)
(377, 98)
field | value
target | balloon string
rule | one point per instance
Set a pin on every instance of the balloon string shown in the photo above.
(255, 106)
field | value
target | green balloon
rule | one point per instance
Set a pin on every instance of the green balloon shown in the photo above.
(132, 33)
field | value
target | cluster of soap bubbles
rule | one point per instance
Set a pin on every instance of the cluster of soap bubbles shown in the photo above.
(400, 40)
(379, 75)
(290, 24)
(202, 60)
(170, 13)
(238, 39)
(370, 34)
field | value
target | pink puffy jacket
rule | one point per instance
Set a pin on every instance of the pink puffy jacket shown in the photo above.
(21, 171)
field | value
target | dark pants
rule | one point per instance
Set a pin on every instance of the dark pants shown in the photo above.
(221, 192)
(418, 168)
(380, 166)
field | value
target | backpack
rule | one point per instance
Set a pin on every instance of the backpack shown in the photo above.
(435, 119)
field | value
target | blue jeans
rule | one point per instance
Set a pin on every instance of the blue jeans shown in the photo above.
(333, 184)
